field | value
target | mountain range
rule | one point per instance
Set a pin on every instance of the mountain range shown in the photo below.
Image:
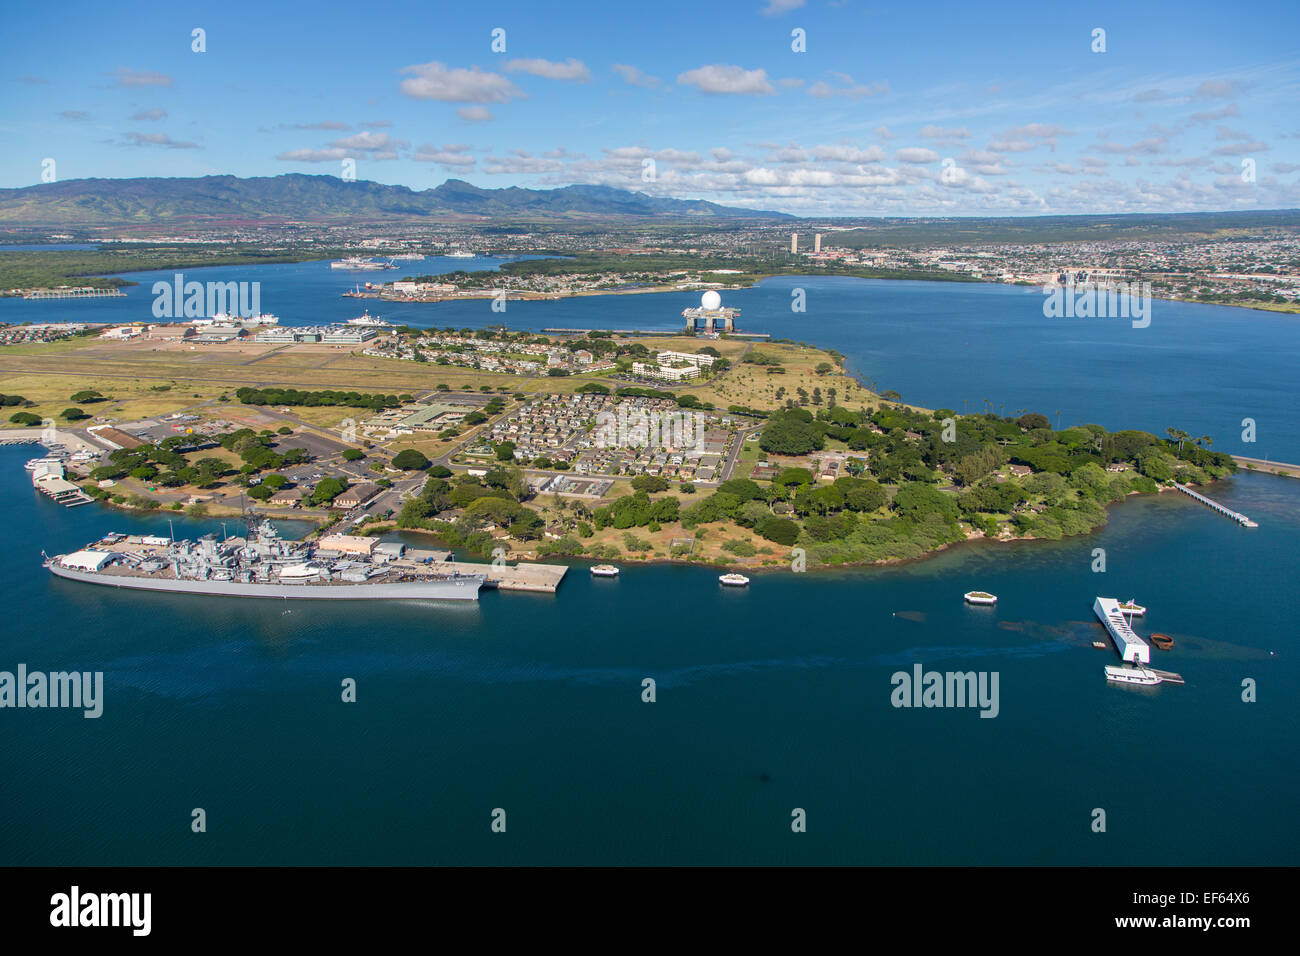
(302, 198)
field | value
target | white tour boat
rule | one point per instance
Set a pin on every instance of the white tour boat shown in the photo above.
(604, 571)
(980, 597)
(733, 580)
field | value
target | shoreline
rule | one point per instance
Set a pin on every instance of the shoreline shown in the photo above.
(813, 568)
(531, 296)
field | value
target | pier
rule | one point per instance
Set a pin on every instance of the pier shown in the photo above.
(60, 490)
(1236, 516)
(538, 578)
(79, 292)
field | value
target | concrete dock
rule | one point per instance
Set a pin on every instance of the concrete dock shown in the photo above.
(1236, 516)
(538, 578)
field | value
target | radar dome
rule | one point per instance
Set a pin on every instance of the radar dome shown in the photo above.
(710, 300)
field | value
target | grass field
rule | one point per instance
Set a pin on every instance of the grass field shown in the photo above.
(133, 374)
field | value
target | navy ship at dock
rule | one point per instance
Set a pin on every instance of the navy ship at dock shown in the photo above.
(264, 565)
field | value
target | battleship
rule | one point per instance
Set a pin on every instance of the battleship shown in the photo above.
(263, 565)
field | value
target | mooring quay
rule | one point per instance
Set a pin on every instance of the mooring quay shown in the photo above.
(544, 578)
(1236, 516)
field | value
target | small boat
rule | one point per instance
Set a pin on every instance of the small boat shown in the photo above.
(1162, 641)
(733, 580)
(604, 571)
(980, 597)
(1131, 675)
(1100, 645)
(1132, 608)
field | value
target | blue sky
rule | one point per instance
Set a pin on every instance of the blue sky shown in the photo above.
(894, 109)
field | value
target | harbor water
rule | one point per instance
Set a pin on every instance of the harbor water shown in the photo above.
(768, 699)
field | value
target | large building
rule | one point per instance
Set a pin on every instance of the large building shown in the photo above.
(674, 358)
(358, 494)
(329, 335)
(667, 373)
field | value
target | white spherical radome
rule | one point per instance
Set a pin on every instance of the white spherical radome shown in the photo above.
(710, 300)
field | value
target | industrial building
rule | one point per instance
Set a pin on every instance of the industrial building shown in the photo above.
(325, 335)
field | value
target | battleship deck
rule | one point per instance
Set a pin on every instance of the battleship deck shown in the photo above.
(462, 588)
(537, 578)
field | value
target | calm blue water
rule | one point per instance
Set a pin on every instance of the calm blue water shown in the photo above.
(1201, 368)
(768, 699)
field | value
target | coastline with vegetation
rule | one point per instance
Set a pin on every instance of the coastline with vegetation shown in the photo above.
(849, 475)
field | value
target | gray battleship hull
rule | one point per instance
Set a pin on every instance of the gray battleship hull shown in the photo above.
(463, 588)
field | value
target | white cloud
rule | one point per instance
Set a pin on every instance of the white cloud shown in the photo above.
(915, 154)
(453, 156)
(775, 8)
(1217, 89)
(822, 90)
(315, 155)
(727, 79)
(367, 141)
(636, 77)
(1239, 149)
(127, 77)
(570, 69)
(841, 153)
(157, 139)
(938, 132)
(150, 115)
(1148, 147)
(1210, 116)
(434, 81)
(474, 114)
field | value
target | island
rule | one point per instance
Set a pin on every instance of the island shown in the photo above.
(715, 450)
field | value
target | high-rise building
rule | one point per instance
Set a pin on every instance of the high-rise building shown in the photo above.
(794, 243)
(817, 243)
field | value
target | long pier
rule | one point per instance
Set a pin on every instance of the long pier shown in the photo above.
(78, 292)
(1236, 516)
